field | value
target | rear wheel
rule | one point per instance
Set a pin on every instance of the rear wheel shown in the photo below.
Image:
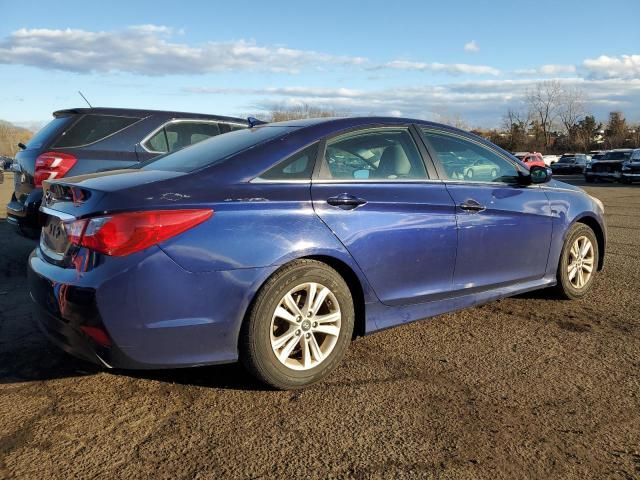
(578, 262)
(299, 327)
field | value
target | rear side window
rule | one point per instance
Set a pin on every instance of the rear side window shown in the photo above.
(177, 135)
(373, 155)
(92, 128)
(215, 150)
(297, 167)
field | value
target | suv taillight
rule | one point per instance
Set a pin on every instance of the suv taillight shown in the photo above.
(51, 165)
(121, 234)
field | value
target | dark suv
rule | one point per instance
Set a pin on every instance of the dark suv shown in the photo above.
(88, 140)
(609, 166)
(570, 163)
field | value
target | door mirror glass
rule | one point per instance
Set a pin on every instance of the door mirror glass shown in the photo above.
(540, 174)
(361, 174)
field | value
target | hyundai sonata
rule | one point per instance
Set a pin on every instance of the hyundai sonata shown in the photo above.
(275, 245)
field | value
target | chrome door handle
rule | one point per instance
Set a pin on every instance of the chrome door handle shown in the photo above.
(346, 201)
(472, 206)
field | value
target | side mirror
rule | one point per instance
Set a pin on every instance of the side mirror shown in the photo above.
(540, 174)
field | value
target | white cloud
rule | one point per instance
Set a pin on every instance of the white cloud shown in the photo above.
(471, 46)
(549, 69)
(451, 68)
(481, 102)
(147, 49)
(624, 66)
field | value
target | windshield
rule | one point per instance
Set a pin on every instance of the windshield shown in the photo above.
(617, 155)
(567, 160)
(214, 150)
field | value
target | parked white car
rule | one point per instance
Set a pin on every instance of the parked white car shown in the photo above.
(549, 159)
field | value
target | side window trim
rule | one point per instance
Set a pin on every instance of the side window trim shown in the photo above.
(442, 175)
(316, 176)
(172, 121)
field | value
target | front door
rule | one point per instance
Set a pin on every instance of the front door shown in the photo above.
(504, 228)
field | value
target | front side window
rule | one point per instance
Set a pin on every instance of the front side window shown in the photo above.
(297, 167)
(177, 135)
(373, 155)
(92, 128)
(464, 160)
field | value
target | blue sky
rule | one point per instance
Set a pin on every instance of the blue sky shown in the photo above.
(467, 60)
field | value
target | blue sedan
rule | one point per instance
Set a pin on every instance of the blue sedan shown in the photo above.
(277, 244)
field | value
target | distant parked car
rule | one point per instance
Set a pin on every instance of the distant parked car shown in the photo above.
(89, 140)
(631, 168)
(531, 158)
(609, 166)
(570, 164)
(549, 159)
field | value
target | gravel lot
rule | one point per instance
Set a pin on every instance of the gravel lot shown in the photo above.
(528, 387)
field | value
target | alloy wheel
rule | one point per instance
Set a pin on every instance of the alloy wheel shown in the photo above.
(580, 262)
(305, 326)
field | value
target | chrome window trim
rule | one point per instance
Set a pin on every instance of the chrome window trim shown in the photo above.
(378, 180)
(182, 120)
(262, 180)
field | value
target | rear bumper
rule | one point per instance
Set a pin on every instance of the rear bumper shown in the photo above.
(154, 313)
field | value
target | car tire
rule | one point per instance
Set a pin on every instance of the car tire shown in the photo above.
(588, 179)
(579, 253)
(282, 343)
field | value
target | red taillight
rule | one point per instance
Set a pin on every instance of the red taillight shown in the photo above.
(98, 335)
(52, 165)
(125, 233)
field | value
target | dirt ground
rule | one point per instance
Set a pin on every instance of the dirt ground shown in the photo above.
(527, 387)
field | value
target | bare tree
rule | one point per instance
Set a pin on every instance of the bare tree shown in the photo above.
(281, 114)
(544, 102)
(571, 108)
(10, 136)
(515, 124)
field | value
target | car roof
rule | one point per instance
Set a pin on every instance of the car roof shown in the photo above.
(145, 113)
(340, 123)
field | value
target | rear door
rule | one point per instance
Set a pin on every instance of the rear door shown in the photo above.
(504, 228)
(373, 191)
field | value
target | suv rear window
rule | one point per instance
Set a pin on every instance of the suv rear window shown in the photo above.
(214, 150)
(92, 128)
(47, 132)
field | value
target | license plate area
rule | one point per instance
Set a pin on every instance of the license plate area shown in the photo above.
(53, 240)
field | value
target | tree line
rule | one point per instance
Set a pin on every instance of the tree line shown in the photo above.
(555, 119)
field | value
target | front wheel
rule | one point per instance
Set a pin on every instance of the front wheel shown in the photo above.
(578, 262)
(299, 326)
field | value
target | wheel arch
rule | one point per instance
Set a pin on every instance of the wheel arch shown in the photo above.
(350, 277)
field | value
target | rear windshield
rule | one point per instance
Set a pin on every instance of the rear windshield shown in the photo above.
(44, 135)
(567, 160)
(92, 128)
(617, 155)
(214, 150)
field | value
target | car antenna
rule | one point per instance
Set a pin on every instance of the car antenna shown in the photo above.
(253, 121)
(85, 99)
